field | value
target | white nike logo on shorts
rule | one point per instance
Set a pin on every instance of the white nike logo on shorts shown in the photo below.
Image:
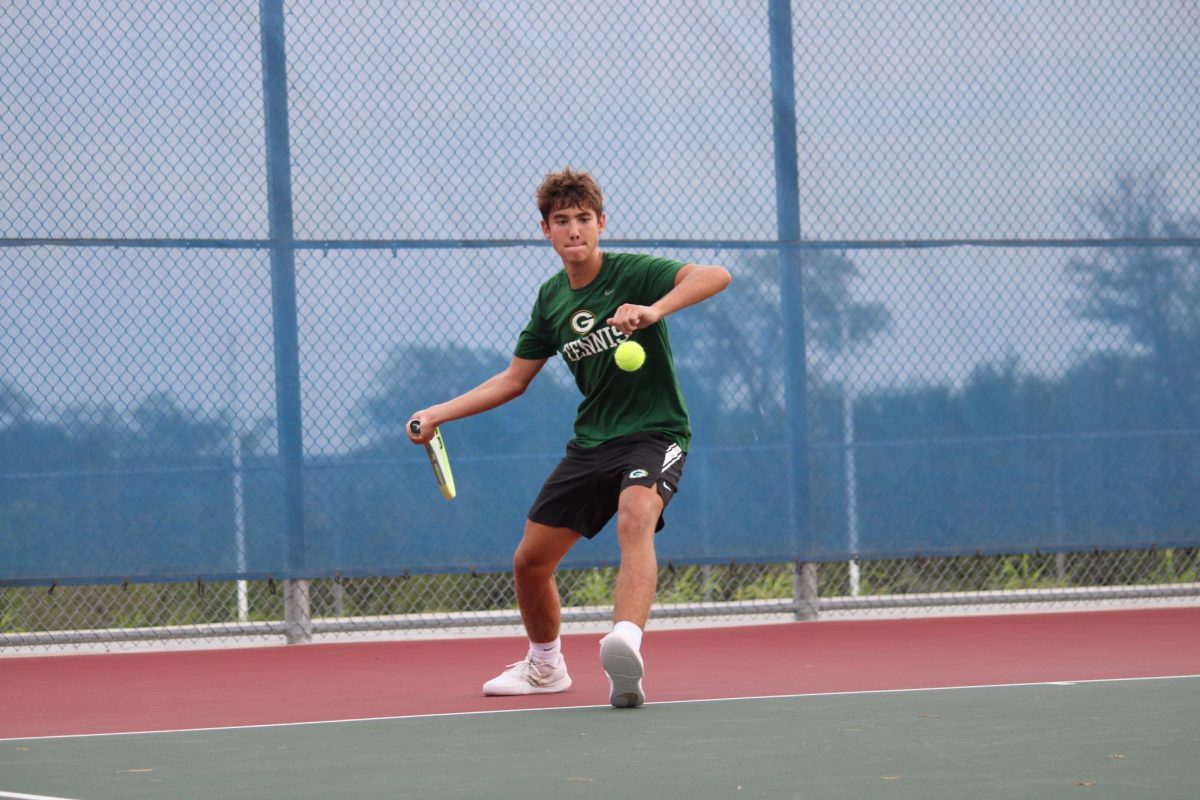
(673, 454)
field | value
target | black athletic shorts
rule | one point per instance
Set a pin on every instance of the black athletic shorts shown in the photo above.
(582, 491)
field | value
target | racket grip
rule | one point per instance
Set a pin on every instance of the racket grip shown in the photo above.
(415, 427)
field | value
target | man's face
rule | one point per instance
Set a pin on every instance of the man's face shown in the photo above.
(574, 232)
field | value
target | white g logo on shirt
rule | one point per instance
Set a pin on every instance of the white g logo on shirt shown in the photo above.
(583, 321)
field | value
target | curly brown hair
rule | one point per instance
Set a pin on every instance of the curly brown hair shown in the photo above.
(569, 189)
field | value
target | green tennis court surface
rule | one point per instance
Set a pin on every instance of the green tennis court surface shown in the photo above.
(1115, 739)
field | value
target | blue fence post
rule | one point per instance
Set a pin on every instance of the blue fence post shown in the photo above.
(297, 614)
(787, 215)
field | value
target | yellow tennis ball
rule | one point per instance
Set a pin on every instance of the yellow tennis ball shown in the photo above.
(630, 356)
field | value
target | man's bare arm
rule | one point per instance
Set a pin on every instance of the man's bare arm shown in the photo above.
(495, 391)
(693, 284)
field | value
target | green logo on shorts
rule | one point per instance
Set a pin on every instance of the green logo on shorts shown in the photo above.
(638, 473)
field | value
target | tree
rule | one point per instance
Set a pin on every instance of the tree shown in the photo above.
(1150, 294)
(414, 376)
(835, 322)
(15, 405)
(735, 343)
(164, 428)
(731, 356)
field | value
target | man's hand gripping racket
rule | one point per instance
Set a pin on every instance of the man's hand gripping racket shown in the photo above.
(435, 448)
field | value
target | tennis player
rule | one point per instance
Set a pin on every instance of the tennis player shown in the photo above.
(631, 430)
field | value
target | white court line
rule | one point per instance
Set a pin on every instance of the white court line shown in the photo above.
(351, 720)
(19, 796)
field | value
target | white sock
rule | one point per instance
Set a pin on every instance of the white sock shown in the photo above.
(548, 652)
(630, 632)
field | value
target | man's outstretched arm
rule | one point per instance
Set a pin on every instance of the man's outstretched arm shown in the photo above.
(495, 391)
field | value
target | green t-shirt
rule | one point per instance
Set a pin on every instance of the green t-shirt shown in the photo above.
(615, 402)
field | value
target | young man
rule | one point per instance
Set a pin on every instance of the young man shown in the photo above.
(631, 430)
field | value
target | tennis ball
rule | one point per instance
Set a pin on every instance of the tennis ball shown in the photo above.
(630, 356)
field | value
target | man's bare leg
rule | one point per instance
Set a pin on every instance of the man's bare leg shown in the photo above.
(637, 517)
(536, 559)
(637, 580)
(537, 556)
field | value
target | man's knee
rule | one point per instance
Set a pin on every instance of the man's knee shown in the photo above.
(638, 514)
(529, 563)
(540, 550)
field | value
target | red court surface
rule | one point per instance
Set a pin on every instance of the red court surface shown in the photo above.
(113, 693)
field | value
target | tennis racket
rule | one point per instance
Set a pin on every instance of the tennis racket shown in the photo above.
(435, 448)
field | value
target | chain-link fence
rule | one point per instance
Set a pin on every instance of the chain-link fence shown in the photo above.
(959, 362)
(82, 618)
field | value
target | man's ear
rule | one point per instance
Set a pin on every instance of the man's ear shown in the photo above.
(545, 229)
(600, 220)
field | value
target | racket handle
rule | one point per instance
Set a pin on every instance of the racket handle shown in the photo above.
(415, 427)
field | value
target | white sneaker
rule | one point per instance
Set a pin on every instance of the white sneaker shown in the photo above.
(529, 677)
(624, 667)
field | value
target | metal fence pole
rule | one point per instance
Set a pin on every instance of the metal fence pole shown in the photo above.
(283, 294)
(804, 590)
(787, 212)
(297, 614)
(850, 472)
